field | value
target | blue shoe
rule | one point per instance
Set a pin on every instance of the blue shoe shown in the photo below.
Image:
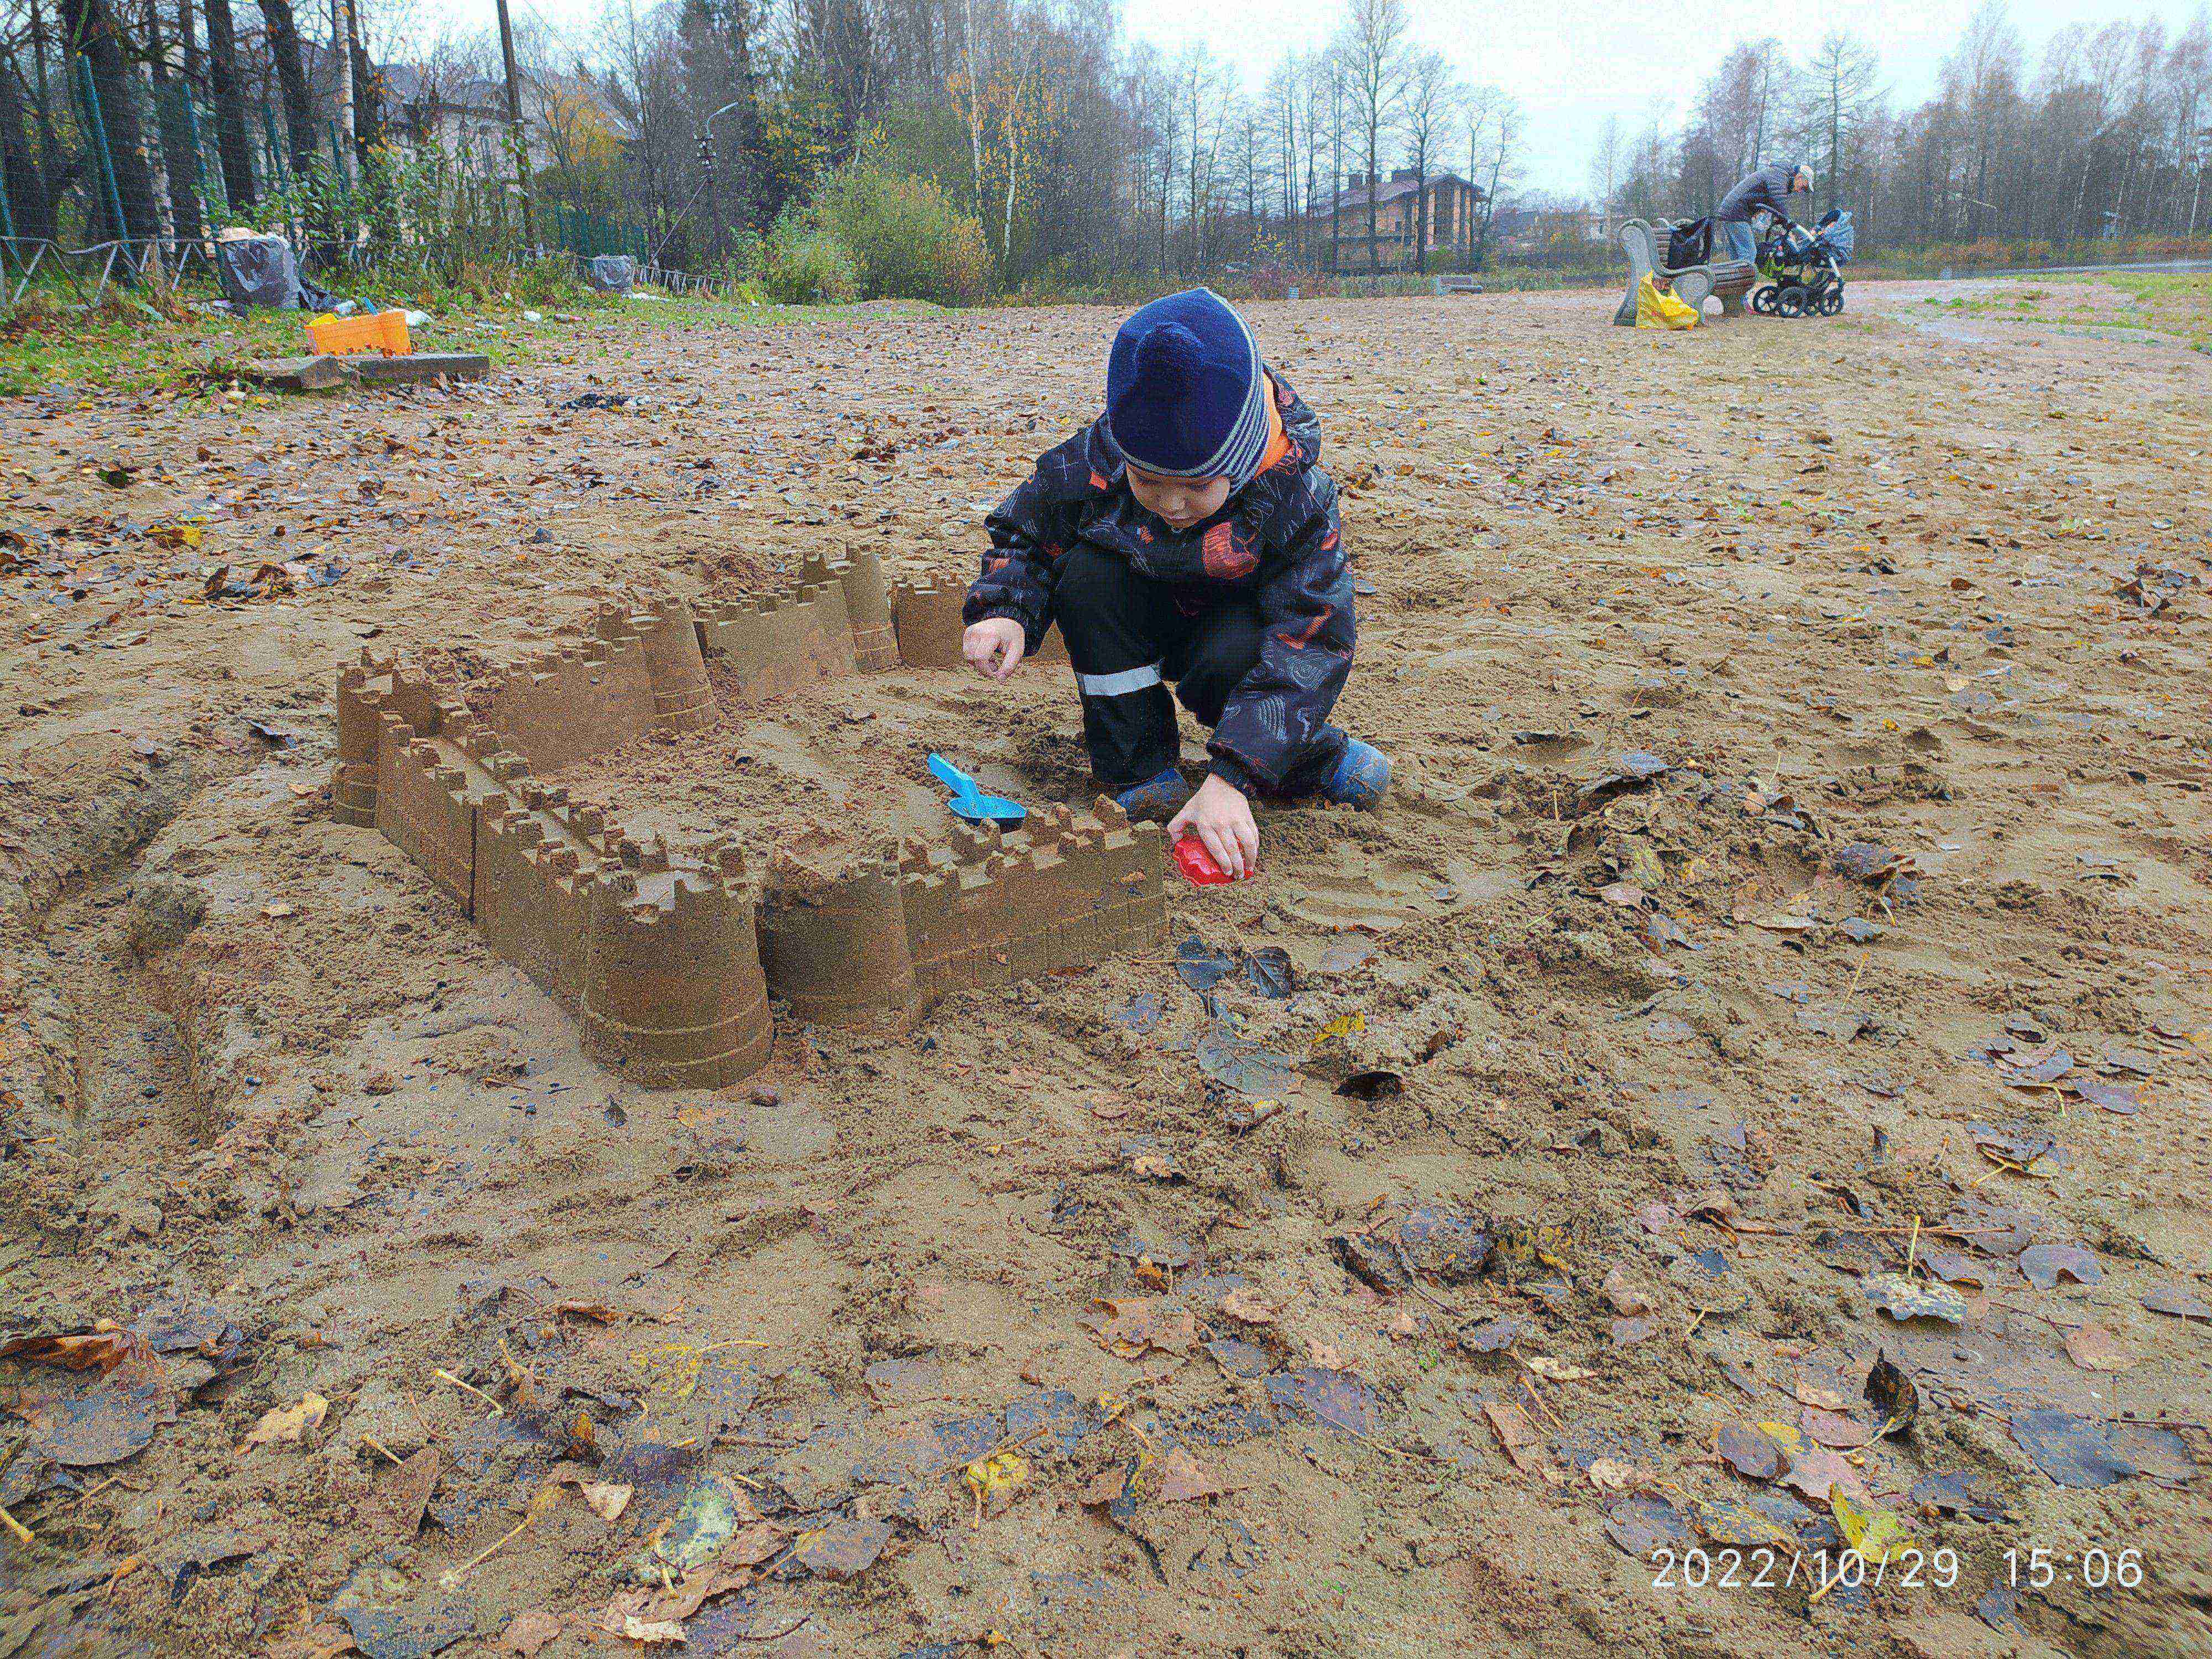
(1360, 778)
(1160, 797)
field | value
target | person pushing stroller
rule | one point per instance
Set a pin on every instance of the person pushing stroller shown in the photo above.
(1767, 190)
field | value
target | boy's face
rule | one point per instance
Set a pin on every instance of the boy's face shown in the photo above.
(1181, 502)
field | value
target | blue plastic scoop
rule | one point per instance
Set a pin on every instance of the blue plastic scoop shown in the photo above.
(970, 802)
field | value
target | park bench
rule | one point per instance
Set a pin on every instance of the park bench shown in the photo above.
(1646, 246)
(1458, 284)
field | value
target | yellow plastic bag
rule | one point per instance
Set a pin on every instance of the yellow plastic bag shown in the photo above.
(1656, 308)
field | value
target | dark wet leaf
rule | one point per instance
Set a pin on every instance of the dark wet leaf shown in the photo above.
(1864, 860)
(1998, 1608)
(1239, 1358)
(1641, 1526)
(1336, 1398)
(1240, 1064)
(2126, 1099)
(2074, 1451)
(1852, 1253)
(843, 1549)
(1489, 1336)
(1826, 1428)
(1267, 970)
(1200, 965)
(2045, 1264)
(2036, 1068)
(2159, 1454)
(1372, 1086)
(1140, 1013)
(2173, 1300)
(1890, 1392)
(1454, 1249)
(1859, 930)
(1372, 1260)
(391, 1618)
(2133, 1060)
(1345, 955)
(1841, 1024)
(1749, 1452)
(1734, 1522)
(1951, 1494)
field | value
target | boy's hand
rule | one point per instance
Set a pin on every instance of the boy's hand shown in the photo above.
(1221, 818)
(994, 648)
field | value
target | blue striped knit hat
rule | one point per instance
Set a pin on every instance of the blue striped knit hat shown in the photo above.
(1186, 392)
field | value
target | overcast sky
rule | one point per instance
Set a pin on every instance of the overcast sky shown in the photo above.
(1571, 63)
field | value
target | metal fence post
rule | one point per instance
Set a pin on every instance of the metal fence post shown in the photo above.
(96, 131)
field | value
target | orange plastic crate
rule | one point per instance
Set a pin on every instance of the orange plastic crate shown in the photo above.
(384, 330)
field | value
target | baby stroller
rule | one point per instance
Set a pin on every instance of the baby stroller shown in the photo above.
(1804, 268)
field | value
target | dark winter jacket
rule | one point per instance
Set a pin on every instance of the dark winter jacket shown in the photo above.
(1276, 542)
(1767, 188)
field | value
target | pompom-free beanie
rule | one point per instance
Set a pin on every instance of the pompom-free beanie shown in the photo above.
(1186, 393)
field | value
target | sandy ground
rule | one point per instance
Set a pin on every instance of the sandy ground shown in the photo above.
(1787, 952)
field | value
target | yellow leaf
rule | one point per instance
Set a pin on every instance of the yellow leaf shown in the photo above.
(288, 1423)
(1342, 1026)
(1003, 1471)
(1788, 1436)
(1876, 1534)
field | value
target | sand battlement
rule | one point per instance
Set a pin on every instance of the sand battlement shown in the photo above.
(668, 953)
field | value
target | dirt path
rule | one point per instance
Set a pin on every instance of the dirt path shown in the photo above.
(1797, 902)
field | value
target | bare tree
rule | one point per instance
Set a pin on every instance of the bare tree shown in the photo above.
(1374, 54)
(1432, 100)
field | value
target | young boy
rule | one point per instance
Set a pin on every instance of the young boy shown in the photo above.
(1188, 534)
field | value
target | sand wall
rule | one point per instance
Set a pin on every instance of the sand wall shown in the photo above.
(669, 955)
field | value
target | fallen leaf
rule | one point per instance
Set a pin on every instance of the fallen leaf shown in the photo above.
(1515, 1433)
(288, 1423)
(526, 1632)
(401, 1496)
(1132, 1326)
(2045, 1264)
(1625, 1299)
(1890, 1392)
(1608, 1475)
(2093, 1348)
(1819, 1473)
(995, 1480)
(1876, 1534)
(1749, 1453)
(1557, 1371)
(607, 1498)
(1183, 1479)
(1325, 1356)
(1244, 1305)
(326, 1640)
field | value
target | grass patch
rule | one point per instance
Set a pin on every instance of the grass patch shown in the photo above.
(128, 342)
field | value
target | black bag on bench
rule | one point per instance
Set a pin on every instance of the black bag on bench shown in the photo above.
(1690, 244)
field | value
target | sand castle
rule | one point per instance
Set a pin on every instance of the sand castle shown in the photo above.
(668, 955)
